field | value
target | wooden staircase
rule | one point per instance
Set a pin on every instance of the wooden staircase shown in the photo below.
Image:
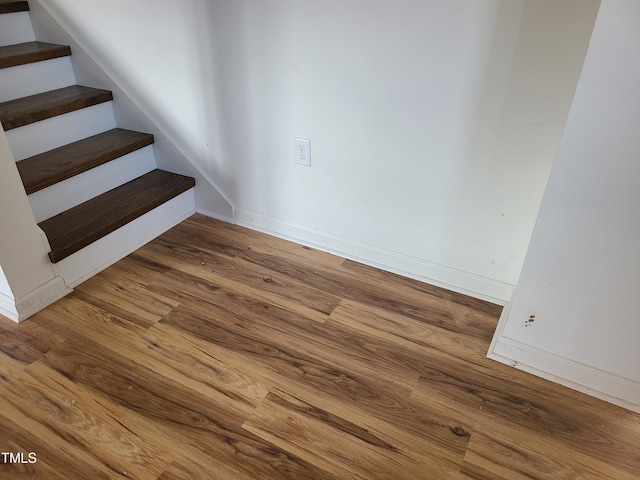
(86, 189)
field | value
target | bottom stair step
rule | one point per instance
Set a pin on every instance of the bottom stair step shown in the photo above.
(82, 225)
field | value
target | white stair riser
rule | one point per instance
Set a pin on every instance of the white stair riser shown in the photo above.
(15, 28)
(78, 189)
(54, 132)
(38, 77)
(128, 238)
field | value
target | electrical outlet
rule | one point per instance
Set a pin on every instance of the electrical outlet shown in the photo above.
(302, 151)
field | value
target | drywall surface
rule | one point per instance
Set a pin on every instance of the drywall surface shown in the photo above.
(433, 124)
(581, 276)
(25, 268)
(5, 288)
(137, 103)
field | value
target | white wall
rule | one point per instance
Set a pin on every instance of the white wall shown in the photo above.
(433, 126)
(581, 277)
(433, 123)
(27, 277)
(5, 289)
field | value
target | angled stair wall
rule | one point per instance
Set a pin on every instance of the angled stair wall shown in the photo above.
(131, 110)
(94, 188)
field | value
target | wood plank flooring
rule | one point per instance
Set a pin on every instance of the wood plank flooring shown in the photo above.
(216, 352)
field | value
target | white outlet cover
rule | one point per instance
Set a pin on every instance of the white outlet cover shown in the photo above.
(302, 151)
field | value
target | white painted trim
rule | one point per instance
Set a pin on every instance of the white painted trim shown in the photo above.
(8, 307)
(208, 213)
(41, 297)
(583, 378)
(34, 301)
(416, 268)
(502, 322)
(109, 249)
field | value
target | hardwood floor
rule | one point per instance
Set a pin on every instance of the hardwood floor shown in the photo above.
(216, 352)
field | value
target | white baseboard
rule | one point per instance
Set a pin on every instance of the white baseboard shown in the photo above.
(418, 269)
(34, 301)
(8, 307)
(215, 215)
(583, 378)
(41, 297)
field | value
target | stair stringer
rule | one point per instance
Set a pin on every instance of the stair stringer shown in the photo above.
(130, 111)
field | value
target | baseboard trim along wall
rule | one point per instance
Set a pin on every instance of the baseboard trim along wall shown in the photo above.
(439, 275)
(8, 307)
(39, 298)
(583, 378)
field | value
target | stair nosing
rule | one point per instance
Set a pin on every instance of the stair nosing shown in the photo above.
(57, 235)
(39, 52)
(18, 113)
(82, 158)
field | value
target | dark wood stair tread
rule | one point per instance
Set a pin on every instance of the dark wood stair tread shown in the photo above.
(31, 52)
(8, 6)
(31, 109)
(49, 168)
(82, 225)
